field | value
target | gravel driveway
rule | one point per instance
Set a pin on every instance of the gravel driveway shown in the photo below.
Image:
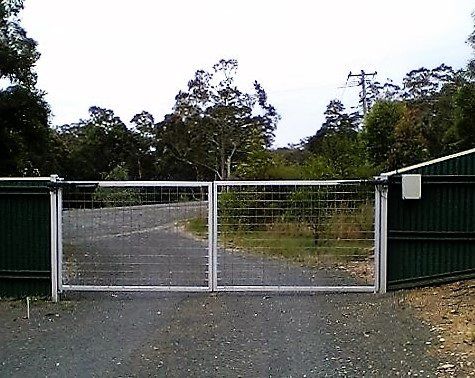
(205, 335)
(225, 335)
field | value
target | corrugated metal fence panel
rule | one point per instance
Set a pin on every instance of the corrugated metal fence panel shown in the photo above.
(432, 240)
(25, 266)
(462, 165)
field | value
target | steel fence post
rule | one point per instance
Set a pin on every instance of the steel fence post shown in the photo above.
(54, 238)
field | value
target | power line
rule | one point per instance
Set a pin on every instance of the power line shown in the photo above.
(361, 83)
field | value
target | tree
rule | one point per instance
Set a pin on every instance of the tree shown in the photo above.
(424, 84)
(378, 132)
(26, 142)
(214, 125)
(464, 116)
(410, 146)
(393, 135)
(144, 135)
(337, 141)
(18, 52)
(377, 91)
(471, 42)
(337, 120)
(98, 145)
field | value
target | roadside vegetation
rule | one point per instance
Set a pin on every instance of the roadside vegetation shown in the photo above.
(215, 130)
(344, 236)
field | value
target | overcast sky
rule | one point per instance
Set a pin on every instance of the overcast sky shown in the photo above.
(136, 55)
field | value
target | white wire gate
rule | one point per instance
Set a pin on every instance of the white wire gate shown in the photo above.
(135, 236)
(294, 236)
(221, 236)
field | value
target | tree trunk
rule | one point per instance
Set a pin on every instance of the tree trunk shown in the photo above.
(228, 167)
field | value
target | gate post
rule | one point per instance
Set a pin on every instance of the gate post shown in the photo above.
(381, 213)
(54, 237)
(59, 217)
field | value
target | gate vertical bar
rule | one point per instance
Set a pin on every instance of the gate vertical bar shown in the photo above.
(215, 235)
(210, 237)
(377, 237)
(383, 199)
(54, 239)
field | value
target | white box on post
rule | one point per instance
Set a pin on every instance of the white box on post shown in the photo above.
(411, 187)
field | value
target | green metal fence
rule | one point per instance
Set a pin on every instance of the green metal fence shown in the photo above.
(25, 238)
(432, 239)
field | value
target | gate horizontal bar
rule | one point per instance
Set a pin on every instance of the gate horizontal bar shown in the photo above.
(165, 184)
(295, 182)
(135, 288)
(25, 178)
(264, 288)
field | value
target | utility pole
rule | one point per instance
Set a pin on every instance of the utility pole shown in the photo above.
(362, 82)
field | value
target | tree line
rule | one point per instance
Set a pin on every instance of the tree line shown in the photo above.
(216, 131)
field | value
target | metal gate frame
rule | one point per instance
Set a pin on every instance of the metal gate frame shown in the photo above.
(379, 285)
(57, 254)
(380, 242)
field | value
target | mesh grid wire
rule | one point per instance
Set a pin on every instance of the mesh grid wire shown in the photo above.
(295, 235)
(119, 236)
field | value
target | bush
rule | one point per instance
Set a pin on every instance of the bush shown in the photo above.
(110, 197)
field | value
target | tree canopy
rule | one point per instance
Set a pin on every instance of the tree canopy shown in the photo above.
(215, 125)
(25, 137)
(217, 130)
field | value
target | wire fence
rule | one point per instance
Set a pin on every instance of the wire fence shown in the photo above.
(295, 235)
(135, 235)
(239, 235)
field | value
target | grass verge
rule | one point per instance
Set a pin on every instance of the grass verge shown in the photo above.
(296, 242)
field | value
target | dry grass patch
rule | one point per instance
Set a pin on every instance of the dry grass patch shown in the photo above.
(450, 311)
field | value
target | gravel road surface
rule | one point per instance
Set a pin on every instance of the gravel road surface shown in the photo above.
(225, 335)
(204, 335)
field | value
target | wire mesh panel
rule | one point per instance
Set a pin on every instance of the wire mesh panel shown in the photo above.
(132, 235)
(295, 236)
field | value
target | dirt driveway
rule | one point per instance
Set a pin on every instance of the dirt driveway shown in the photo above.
(223, 335)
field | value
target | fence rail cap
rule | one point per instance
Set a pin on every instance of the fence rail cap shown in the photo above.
(429, 162)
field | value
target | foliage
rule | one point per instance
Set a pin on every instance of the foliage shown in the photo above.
(337, 145)
(430, 116)
(345, 236)
(215, 125)
(99, 144)
(471, 42)
(464, 116)
(113, 197)
(216, 130)
(238, 210)
(18, 52)
(26, 142)
(380, 132)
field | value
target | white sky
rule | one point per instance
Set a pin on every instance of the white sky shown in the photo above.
(136, 55)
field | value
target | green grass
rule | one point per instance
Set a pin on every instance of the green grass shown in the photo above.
(197, 226)
(293, 241)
